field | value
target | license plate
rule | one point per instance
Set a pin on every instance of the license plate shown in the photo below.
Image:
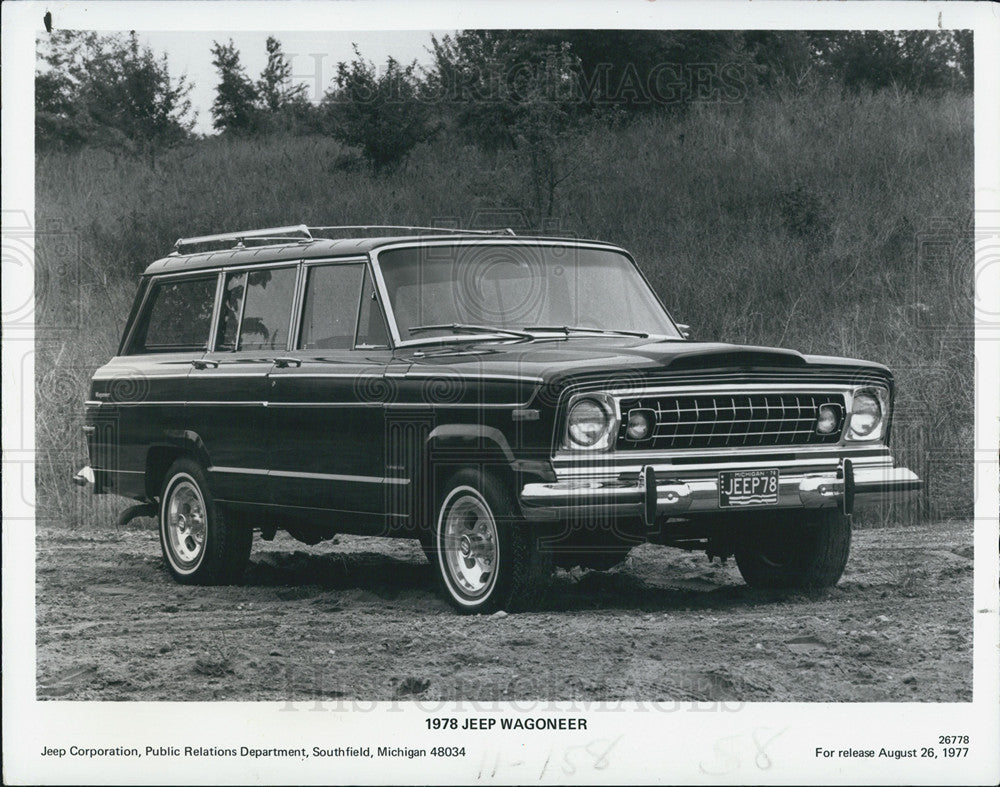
(739, 488)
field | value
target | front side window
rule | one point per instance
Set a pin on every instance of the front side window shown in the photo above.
(177, 317)
(518, 287)
(256, 310)
(330, 310)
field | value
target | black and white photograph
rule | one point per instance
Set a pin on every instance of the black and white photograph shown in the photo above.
(528, 396)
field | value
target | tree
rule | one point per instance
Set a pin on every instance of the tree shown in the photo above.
(274, 88)
(506, 91)
(108, 90)
(641, 71)
(235, 107)
(385, 114)
(964, 57)
(781, 58)
(916, 60)
(471, 77)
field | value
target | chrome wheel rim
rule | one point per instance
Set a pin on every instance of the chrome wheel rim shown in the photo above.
(468, 544)
(185, 524)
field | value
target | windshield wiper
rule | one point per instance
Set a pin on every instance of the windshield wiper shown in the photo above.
(568, 329)
(459, 327)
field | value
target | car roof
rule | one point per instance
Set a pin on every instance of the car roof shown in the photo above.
(326, 247)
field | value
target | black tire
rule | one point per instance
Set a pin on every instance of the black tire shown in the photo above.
(805, 555)
(201, 545)
(517, 574)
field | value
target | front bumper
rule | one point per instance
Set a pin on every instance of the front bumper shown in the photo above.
(659, 492)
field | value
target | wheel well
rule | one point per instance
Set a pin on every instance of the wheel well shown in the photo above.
(497, 466)
(158, 461)
(438, 470)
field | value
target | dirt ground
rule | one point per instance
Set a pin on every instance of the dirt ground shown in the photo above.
(361, 619)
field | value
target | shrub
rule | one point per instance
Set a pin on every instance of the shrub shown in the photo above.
(383, 114)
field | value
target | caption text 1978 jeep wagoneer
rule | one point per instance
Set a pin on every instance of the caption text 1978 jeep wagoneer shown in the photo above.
(515, 403)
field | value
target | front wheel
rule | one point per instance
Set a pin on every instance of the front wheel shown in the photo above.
(807, 555)
(201, 546)
(487, 556)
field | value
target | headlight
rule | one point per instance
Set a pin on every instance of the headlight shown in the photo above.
(868, 416)
(589, 423)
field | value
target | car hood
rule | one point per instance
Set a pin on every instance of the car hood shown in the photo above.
(570, 359)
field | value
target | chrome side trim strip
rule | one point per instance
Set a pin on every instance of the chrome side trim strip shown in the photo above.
(120, 472)
(373, 515)
(472, 378)
(365, 479)
(237, 470)
(460, 405)
(219, 371)
(179, 403)
(336, 405)
(227, 404)
(269, 403)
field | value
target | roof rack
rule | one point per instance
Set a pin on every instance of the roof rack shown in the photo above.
(369, 227)
(300, 233)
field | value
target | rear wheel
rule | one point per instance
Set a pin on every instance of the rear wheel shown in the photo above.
(487, 556)
(201, 546)
(800, 554)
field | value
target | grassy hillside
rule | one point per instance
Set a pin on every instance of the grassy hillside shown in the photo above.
(831, 225)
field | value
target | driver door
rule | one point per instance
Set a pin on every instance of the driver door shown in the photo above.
(326, 403)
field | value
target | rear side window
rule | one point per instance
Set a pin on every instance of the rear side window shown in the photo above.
(177, 316)
(330, 311)
(256, 310)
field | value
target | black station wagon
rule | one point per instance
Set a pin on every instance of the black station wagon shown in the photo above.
(516, 403)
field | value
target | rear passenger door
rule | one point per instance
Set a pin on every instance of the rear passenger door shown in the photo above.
(142, 393)
(228, 389)
(326, 415)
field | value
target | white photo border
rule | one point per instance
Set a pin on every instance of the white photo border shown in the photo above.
(624, 742)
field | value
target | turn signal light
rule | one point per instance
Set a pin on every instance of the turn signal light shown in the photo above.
(640, 424)
(828, 419)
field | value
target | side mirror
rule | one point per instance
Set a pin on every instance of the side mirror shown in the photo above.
(685, 331)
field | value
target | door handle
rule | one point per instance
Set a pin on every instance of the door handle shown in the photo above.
(284, 363)
(203, 363)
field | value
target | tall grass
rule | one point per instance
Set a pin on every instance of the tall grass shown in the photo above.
(830, 224)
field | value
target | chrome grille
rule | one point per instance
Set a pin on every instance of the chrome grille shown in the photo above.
(724, 420)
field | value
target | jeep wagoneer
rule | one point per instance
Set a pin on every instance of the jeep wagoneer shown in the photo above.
(514, 402)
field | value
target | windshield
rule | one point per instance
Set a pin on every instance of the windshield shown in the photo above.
(466, 289)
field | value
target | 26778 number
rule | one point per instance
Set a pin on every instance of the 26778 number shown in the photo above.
(952, 746)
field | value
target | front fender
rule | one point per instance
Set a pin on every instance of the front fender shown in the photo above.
(474, 443)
